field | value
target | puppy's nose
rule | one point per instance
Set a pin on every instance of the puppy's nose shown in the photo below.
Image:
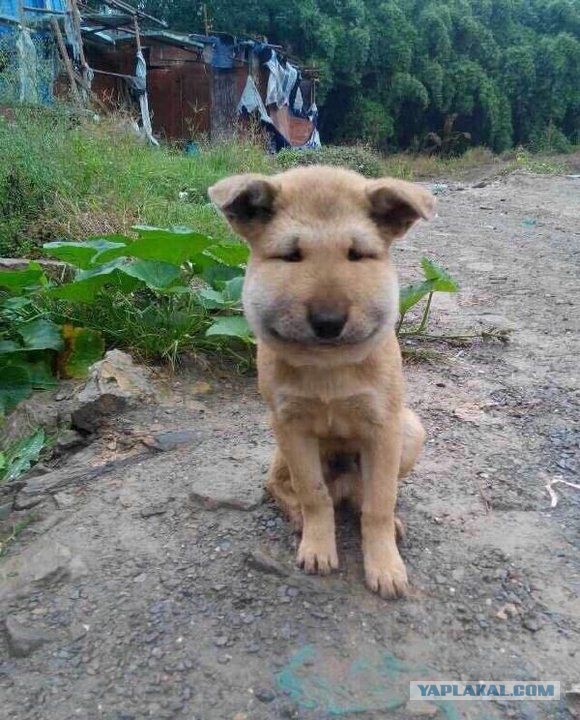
(327, 324)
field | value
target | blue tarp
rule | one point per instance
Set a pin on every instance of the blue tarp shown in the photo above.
(9, 8)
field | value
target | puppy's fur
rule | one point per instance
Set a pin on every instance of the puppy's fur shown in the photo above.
(321, 296)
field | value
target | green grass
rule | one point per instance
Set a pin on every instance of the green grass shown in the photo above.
(61, 178)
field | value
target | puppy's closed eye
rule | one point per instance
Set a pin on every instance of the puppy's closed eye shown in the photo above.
(292, 256)
(356, 254)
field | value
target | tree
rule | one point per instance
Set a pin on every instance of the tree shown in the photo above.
(394, 71)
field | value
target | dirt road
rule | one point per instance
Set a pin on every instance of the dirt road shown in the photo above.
(168, 607)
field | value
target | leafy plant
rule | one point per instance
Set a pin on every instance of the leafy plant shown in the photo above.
(436, 280)
(165, 290)
(19, 458)
(32, 345)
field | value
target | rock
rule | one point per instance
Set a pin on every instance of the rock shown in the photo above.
(418, 708)
(40, 410)
(508, 610)
(226, 483)
(264, 695)
(532, 622)
(68, 439)
(55, 481)
(152, 510)
(5, 510)
(23, 640)
(38, 566)
(200, 388)
(25, 502)
(64, 500)
(115, 383)
(172, 439)
(260, 560)
(54, 269)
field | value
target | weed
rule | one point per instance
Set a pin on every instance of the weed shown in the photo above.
(17, 529)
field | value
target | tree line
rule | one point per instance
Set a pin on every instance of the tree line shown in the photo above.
(422, 74)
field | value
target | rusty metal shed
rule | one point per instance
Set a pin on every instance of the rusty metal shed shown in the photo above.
(194, 82)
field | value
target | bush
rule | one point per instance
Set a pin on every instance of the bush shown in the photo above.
(355, 157)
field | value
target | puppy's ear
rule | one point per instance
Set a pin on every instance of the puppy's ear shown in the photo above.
(395, 205)
(247, 201)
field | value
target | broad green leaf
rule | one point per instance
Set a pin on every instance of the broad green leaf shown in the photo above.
(233, 289)
(229, 253)
(15, 304)
(17, 281)
(9, 346)
(86, 285)
(40, 334)
(212, 299)
(15, 386)
(40, 370)
(215, 274)
(83, 291)
(84, 347)
(21, 456)
(81, 254)
(2, 463)
(443, 282)
(104, 269)
(229, 296)
(232, 326)
(411, 294)
(170, 246)
(156, 275)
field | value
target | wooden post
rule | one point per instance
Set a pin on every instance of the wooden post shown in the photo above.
(76, 18)
(137, 34)
(66, 60)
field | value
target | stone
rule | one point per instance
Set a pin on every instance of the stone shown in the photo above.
(25, 502)
(418, 708)
(115, 383)
(264, 695)
(55, 481)
(5, 510)
(259, 560)
(172, 439)
(152, 510)
(40, 410)
(532, 623)
(64, 500)
(23, 640)
(226, 483)
(200, 388)
(39, 566)
(68, 439)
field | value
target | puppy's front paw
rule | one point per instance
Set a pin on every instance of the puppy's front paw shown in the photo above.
(385, 573)
(317, 556)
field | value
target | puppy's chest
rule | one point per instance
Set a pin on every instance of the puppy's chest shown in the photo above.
(342, 417)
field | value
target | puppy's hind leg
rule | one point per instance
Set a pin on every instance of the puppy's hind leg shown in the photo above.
(279, 486)
(413, 441)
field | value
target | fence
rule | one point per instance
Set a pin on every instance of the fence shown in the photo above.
(29, 66)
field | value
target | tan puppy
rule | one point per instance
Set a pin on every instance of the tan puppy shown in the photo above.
(321, 296)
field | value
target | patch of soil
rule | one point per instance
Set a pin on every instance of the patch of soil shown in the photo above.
(188, 609)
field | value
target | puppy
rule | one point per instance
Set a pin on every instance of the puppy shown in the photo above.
(321, 296)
